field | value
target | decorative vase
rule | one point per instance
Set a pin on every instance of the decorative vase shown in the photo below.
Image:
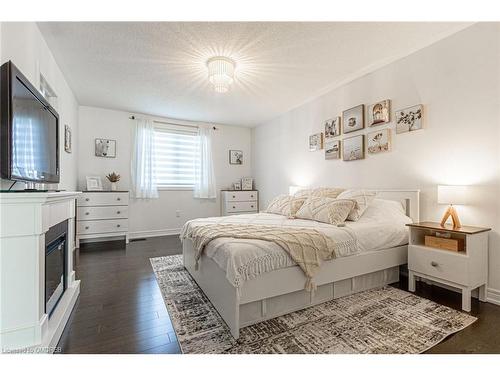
(113, 186)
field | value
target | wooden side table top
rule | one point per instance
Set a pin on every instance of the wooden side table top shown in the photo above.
(465, 229)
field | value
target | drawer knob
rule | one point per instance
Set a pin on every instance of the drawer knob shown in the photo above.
(118, 225)
(251, 196)
(87, 199)
(251, 206)
(434, 264)
(118, 199)
(118, 212)
(234, 207)
(234, 196)
(87, 213)
(86, 227)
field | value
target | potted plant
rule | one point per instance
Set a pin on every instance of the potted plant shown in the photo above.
(113, 178)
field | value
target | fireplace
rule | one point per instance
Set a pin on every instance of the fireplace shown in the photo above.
(55, 264)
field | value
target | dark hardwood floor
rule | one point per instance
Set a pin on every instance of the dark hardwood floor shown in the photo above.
(120, 308)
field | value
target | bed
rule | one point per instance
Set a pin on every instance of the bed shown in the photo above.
(382, 248)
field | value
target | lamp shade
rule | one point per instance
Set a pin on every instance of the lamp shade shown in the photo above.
(452, 194)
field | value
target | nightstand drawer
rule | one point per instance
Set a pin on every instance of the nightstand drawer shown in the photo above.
(242, 207)
(439, 263)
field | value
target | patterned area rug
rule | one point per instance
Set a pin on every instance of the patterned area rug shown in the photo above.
(386, 320)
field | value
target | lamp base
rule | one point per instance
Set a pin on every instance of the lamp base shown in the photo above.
(450, 211)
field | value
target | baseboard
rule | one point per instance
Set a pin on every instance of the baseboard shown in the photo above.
(493, 296)
(154, 233)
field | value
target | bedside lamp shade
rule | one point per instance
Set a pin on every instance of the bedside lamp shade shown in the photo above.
(452, 194)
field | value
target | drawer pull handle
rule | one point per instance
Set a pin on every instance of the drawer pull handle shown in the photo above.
(87, 199)
(87, 213)
(251, 206)
(234, 196)
(87, 227)
(434, 264)
(118, 212)
(118, 199)
(251, 196)
(118, 225)
(234, 207)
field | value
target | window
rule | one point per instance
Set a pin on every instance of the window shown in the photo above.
(176, 156)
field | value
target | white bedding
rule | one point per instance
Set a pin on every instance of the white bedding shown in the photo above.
(383, 225)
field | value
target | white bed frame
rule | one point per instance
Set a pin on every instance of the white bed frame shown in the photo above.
(282, 291)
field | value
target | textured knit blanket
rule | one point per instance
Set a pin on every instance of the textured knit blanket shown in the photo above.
(306, 247)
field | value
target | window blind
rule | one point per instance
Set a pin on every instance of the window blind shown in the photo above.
(176, 156)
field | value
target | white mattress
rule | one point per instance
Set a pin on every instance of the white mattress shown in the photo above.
(382, 226)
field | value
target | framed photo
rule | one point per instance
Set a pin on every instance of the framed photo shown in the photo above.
(94, 183)
(247, 183)
(235, 157)
(379, 113)
(379, 141)
(237, 185)
(316, 142)
(332, 128)
(409, 119)
(332, 150)
(354, 118)
(353, 148)
(105, 148)
(67, 139)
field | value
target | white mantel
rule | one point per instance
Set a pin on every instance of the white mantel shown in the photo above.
(25, 217)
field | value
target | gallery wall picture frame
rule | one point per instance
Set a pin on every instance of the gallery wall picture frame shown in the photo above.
(105, 148)
(353, 119)
(332, 128)
(379, 113)
(235, 157)
(379, 141)
(247, 183)
(94, 183)
(316, 142)
(353, 148)
(332, 150)
(67, 139)
(409, 119)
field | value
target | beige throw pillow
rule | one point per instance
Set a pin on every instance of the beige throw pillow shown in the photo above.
(326, 210)
(363, 199)
(327, 192)
(285, 205)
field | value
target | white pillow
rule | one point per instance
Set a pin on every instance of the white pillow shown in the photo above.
(327, 192)
(285, 205)
(327, 210)
(363, 199)
(384, 209)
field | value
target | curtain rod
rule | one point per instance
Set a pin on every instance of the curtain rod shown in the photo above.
(169, 123)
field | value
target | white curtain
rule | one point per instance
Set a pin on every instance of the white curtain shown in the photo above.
(143, 161)
(204, 186)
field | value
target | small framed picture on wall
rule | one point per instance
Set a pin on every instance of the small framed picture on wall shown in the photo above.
(235, 157)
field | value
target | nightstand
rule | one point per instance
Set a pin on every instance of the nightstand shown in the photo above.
(466, 269)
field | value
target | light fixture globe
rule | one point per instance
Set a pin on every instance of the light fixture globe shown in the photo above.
(221, 73)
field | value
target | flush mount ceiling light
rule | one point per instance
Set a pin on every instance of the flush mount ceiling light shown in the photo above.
(221, 73)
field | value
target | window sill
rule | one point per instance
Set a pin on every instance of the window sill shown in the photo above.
(175, 188)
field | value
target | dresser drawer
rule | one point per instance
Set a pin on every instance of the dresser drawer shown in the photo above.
(439, 263)
(241, 207)
(102, 212)
(102, 199)
(237, 196)
(102, 226)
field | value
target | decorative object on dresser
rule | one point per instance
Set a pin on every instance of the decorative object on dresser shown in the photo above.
(409, 119)
(466, 269)
(105, 148)
(239, 202)
(316, 142)
(379, 141)
(379, 113)
(332, 128)
(235, 157)
(113, 178)
(452, 194)
(102, 214)
(247, 183)
(94, 183)
(332, 150)
(67, 139)
(354, 118)
(353, 148)
(237, 185)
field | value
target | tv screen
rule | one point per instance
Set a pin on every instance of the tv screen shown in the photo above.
(31, 128)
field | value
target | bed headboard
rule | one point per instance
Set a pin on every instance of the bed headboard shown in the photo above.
(409, 198)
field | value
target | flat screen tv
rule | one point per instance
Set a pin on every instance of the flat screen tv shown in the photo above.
(29, 130)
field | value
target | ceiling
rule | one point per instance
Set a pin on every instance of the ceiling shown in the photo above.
(158, 68)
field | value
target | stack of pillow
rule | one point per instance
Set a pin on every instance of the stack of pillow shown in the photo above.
(328, 205)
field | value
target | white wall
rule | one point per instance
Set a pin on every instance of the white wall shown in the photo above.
(23, 44)
(155, 216)
(457, 80)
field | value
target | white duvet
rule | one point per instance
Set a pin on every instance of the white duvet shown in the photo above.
(383, 225)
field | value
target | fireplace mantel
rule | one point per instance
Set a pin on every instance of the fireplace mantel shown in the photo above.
(25, 217)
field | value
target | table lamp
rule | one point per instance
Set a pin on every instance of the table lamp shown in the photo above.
(452, 195)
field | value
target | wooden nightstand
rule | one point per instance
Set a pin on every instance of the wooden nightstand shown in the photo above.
(465, 270)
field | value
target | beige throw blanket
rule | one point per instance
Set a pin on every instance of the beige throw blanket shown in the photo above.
(307, 247)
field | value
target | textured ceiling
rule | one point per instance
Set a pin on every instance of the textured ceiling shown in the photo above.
(159, 68)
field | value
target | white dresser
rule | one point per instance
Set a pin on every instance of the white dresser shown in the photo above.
(102, 214)
(234, 202)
